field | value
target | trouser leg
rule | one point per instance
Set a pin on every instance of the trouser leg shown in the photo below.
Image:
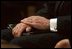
(6, 34)
(47, 40)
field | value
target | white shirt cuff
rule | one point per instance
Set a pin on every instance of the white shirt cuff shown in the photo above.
(53, 24)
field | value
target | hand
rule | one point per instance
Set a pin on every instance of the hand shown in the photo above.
(37, 22)
(19, 28)
(63, 44)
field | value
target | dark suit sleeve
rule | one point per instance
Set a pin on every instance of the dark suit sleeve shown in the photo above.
(64, 25)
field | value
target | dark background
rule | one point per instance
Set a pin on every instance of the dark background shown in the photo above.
(11, 10)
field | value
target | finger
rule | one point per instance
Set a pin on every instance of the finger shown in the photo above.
(63, 44)
(28, 29)
(19, 33)
(13, 31)
(26, 19)
(16, 30)
(20, 29)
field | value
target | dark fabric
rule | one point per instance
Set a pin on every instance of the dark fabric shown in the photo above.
(6, 34)
(61, 10)
(64, 8)
(47, 40)
(41, 40)
(55, 9)
(64, 25)
(44, 40)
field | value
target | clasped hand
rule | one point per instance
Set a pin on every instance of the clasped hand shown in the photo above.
(25, 24)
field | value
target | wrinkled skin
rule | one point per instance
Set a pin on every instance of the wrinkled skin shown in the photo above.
(19, 28)
(37, 22)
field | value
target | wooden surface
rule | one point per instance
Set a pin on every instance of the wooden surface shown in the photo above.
(9, 46)
(5, 44)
